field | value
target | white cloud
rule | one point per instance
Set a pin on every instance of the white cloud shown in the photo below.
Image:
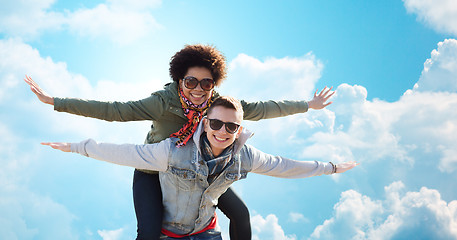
(20, 59)
(117, 20)
(28, 18)
(422, 121)
(440, 70)
(268, 228)
(400, 215)
(297, 217)
(111, 234)
(285, 78)
(25, 213)
(438, 14)
(30, 213)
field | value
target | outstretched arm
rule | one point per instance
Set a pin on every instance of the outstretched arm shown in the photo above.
(276, 166)
(42, 95)
(150, 108)
(147, 156)
(255, 111)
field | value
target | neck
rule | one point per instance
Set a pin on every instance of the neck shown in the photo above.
(216, 152)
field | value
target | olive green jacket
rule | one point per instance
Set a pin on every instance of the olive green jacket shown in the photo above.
(164, 109)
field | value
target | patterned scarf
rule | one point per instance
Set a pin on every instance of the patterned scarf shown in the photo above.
(194, 114)
(215, 164)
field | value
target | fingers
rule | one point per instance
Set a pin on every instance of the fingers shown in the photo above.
(54, 145)
(324, 93)
(33, 86)
(329, 96)
(31, 82)
(328, 90)
(345, 166)
(325, 105)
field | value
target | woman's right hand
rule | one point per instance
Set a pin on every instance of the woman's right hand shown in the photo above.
(42, 95)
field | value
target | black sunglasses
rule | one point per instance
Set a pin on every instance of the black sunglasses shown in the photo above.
(230, 127)
(192, 82)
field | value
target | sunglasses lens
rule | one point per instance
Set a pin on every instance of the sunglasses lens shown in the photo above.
(207, 84)
(231, 127)
(190, 82)
(215, 124)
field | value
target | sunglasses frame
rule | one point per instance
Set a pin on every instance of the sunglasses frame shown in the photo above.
(192, 78)
(227, 129)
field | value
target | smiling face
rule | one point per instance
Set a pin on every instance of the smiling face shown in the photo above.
(221, 139)
(197, 95)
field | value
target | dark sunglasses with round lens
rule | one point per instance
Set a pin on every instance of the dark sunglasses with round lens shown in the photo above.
(192, 82)
(230, 127)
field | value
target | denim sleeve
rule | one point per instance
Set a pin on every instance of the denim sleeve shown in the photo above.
(147, 156)
(277, 166)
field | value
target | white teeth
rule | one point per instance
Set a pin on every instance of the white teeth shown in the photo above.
(197, 96)
(219, 139)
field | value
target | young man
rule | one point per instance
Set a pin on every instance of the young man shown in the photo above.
(194, 176)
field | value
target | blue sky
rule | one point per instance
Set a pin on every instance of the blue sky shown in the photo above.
(393, 64)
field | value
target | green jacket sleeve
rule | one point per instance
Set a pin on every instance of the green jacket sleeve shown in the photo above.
(150, 108)
(255, 111)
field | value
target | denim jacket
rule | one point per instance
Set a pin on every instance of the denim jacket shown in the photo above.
(189, 201)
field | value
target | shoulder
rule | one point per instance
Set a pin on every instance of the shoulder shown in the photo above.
(168, 94)
(247, 154)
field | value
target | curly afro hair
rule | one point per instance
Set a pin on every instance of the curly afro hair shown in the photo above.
(198, 55)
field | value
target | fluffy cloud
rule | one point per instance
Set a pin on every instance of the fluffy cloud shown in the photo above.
(19, 58)
(26, 214)
(268, 228)
(420, 124)
(111, 234)
(118, 20)
(400, 216)
(440, 70)
(287, 78)
(28, 19)
(31, 213)
(277, 79)
(297, 217)
(438, 14)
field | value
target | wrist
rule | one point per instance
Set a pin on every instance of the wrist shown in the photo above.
(310, 104)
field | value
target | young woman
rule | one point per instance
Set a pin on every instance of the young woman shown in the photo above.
(176, 111)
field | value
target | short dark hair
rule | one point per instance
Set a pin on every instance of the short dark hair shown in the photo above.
(227, 102)
(198, 55)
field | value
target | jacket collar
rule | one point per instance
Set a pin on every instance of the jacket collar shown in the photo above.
(239, 143)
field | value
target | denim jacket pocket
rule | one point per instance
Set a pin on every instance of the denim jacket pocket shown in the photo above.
(233, 176)
(185, 178)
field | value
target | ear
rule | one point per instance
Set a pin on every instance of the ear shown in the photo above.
(240, 129)
(205, 124)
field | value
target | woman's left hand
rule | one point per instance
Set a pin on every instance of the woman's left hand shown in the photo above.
(319, 100)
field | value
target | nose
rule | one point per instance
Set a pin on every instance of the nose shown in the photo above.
(222, 130)
(199, 87)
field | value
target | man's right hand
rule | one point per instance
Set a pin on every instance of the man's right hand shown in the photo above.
(62, 146)
(42, 95)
